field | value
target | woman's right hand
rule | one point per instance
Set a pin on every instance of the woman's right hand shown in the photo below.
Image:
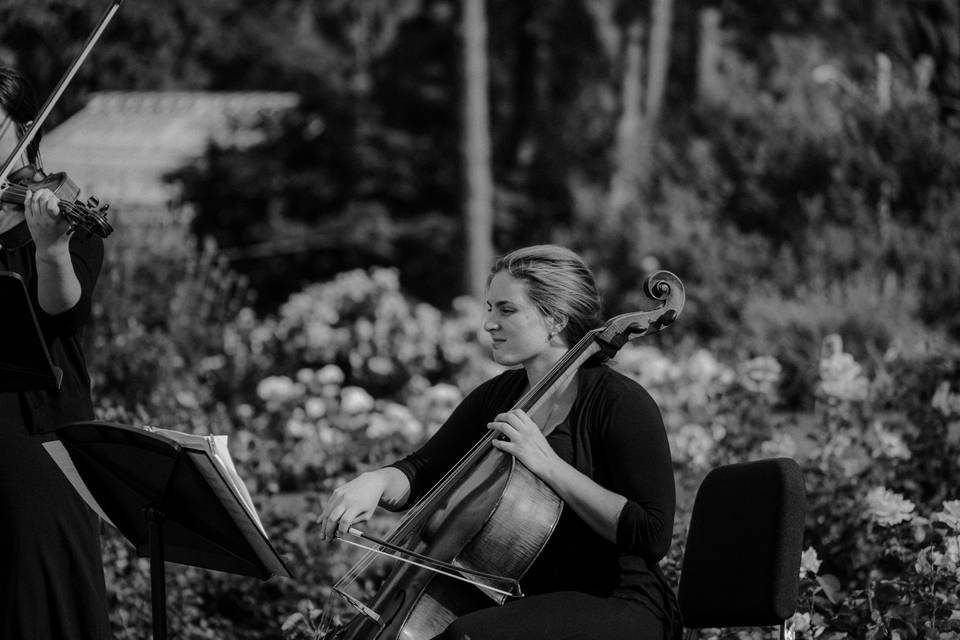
(356, 500)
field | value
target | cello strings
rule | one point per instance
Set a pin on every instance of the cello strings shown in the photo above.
(412, 518)
(429, 568)
(429, 560)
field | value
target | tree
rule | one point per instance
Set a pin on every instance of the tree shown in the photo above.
(641, 96)
(478, 181)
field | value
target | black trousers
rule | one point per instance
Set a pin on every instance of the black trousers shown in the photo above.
(562, 615)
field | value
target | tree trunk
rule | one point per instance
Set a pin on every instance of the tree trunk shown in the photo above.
(709, 83)
(627, 166)
(639, 112)
(478, 181)
(658, 57)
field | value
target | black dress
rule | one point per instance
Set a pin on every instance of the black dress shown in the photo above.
(51, 570)
(581, 585)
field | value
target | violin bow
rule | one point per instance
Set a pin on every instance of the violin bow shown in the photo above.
(34, 127)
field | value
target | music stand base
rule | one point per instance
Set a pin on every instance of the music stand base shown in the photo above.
(158, 586)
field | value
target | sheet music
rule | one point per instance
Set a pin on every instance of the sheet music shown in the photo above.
(216, 448)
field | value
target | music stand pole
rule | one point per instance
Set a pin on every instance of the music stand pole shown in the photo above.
(158, 585)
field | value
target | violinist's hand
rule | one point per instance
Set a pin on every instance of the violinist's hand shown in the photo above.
(47, 227)
(525, 442)
(353, 502)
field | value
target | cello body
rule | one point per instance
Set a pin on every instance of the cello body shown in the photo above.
(473, 527)
(490, 513)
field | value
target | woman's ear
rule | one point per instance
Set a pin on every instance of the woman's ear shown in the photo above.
(558, 323)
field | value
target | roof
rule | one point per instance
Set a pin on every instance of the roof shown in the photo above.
(119, 146)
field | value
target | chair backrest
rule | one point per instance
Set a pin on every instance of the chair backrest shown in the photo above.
(741, 565)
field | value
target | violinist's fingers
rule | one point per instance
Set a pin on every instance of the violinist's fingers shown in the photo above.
(42, 202)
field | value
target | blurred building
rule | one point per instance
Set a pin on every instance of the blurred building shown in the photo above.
(120, 145)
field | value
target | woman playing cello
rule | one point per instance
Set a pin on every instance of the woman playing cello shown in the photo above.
(606, 456)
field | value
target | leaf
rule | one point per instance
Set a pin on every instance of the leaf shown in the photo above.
(292, 621)
(831, 587)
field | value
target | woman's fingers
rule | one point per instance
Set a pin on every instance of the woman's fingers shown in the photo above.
(349, 518)
(330, 520)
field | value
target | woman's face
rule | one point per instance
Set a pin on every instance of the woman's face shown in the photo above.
(519, 332)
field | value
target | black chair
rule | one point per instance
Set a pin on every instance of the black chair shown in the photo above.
(741, 566)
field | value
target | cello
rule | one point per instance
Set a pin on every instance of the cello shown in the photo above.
(488, 518)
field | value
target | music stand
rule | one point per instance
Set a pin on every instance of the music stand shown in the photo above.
(25, 363)
(173, 497)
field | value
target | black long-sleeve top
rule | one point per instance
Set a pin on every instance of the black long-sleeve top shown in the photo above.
(614, 434)
(40, 411)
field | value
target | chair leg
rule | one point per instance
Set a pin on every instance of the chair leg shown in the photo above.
(690, 634)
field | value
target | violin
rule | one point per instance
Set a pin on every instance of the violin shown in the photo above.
(89, 215)
(488, 518)
(14, 185)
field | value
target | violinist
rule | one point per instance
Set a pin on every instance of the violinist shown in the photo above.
(51, 571)
(607, 457)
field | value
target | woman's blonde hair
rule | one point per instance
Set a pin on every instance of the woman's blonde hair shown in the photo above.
(559, 283)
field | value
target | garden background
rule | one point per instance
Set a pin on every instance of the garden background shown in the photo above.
(796, 163)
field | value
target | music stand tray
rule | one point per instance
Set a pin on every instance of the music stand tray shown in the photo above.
(25, 362)
(174, 496)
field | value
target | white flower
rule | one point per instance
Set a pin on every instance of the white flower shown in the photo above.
(952, 549)
(809, 562)
(888, 508)
(380, 365)
(278, 388)
(704, 367)
(781, 445)
(329, 436)
(394, 418)
(691, 443)
(296, 428)
(945, 401)
(647, 365)
(891, 444)
(212, 363)
(315, 407)
(187, 399)
(760, 375)
(330, 374)
(929, 560)
(841, 378)
(355, 400)
(950, 515)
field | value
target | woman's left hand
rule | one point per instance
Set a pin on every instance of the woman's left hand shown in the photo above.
(47, 227)
(525, 442)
